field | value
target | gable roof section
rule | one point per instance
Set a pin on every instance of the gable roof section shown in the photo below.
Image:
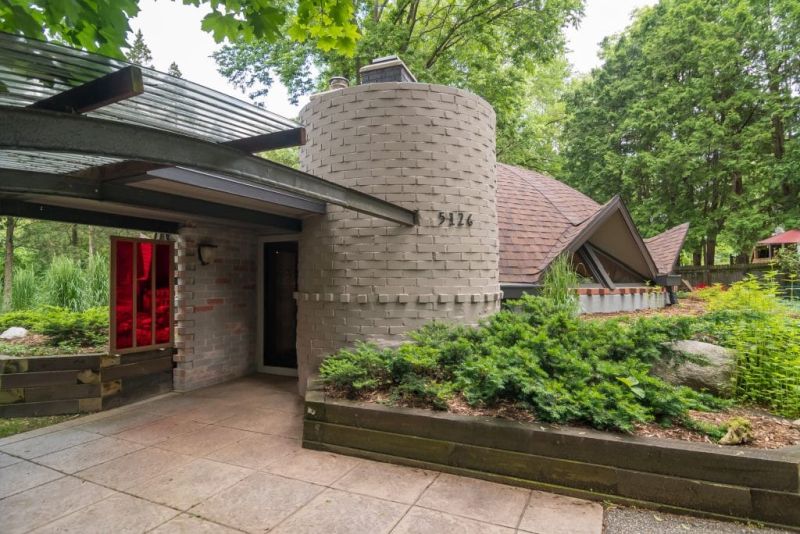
(666, 246)
(540, 217)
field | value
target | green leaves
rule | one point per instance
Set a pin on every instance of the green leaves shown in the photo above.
(685, 119)
(510, 53)
(102, 25)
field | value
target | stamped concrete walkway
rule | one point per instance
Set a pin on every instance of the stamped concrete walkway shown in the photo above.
(228, 459)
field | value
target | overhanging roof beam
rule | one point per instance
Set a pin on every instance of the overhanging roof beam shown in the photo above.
(113, 87)
(17, 182)
(31, 210)
(27, 129)
(270, 141)
(251, 145)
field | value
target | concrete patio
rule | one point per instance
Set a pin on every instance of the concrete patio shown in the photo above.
(228, 459)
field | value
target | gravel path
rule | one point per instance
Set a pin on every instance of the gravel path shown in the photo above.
(636, 521)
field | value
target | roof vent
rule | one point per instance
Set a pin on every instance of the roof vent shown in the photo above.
(386, 69)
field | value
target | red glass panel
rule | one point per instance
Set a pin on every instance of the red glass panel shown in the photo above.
(123, 290)
(163, 290)
(144, 294)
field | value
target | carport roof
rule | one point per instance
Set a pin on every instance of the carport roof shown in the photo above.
(86, 135)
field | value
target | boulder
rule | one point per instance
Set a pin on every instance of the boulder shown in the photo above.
(15, 332)
(713, 372)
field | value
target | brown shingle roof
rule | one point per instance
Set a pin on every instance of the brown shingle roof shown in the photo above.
(665, 247)
(540, 217)
(537, 216)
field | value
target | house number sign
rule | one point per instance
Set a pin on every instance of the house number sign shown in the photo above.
(455, 218)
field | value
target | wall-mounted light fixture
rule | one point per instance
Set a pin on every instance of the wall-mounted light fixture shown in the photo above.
(207, 253)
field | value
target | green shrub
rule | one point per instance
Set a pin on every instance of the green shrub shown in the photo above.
(540, 357)
(64, 327)
(25, 290)
(96, 289)
(751, 319)
(64, 284)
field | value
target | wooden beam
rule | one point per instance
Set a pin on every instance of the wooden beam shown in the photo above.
(259, 143)
(270, 141)
(37, 130)
(113, 87)
(38, 183)
(17, 208)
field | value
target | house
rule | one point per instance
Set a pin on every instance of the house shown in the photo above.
(540, 218)
(398, 215)
(766, 249)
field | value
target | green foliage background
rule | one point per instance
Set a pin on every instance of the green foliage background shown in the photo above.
(693, 116)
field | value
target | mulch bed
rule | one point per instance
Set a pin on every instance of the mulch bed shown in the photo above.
(769, 431)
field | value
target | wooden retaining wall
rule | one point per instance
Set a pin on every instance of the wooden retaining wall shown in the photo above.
(54, 385)
(668, 475)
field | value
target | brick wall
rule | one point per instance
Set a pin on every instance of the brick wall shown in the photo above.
(425, 147)
(215, 313)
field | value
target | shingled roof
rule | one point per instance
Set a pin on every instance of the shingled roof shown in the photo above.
(665, 247)
(540, 217)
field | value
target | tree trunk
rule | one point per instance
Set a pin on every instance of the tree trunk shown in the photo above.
(711, 250)
(8, 274)
(74, 236)
(697, 257)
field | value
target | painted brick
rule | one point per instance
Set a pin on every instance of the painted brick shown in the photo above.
(426, 147)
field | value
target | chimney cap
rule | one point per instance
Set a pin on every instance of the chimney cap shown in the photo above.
(386, 69)
(339, 82)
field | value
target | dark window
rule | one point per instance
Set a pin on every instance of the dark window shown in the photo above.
(618, 273)
(583, 268)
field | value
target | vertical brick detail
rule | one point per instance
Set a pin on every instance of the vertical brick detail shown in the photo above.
(428, 148)
(215, 312)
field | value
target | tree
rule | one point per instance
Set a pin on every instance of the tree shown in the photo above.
(102, 25)
(174, 70)
(139, 53)
(504, 50)
(685, 118)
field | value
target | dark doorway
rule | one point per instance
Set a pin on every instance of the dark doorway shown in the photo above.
(280, 309)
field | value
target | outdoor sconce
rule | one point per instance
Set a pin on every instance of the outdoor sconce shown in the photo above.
(206, 253)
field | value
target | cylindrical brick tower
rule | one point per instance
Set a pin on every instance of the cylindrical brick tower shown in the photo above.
(428, 148)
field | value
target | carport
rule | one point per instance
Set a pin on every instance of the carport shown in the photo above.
(92, 140)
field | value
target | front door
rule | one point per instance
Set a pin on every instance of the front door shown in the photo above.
(280, 309)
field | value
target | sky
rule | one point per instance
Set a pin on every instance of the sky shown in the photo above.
(191, 48)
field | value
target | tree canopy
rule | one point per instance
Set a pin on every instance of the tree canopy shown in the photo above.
(693, 116)
(508, 51)
(102, 25)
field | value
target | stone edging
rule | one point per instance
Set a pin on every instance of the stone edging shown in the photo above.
(670, 475)
(399, 298)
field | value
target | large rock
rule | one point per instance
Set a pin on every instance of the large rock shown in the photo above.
(15, 332)
(714, 374)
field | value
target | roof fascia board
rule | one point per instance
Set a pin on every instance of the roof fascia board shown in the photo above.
(28, 129)
(222, 184)
(18, 208)
(26, 182)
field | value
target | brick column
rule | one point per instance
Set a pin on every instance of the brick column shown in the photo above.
(428, 148)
